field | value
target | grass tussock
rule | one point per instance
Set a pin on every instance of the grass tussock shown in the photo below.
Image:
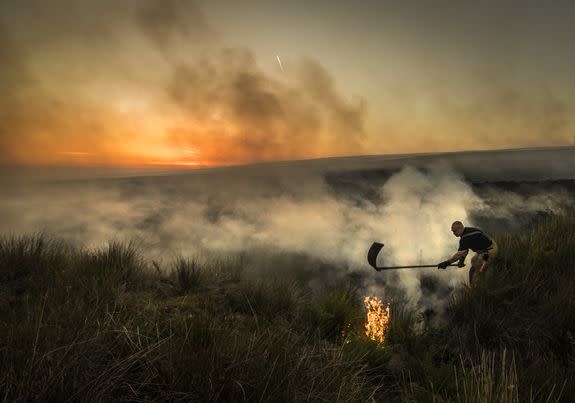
(106, 325)
(188, 273)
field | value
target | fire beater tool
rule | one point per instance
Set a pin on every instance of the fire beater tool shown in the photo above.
(376, 247)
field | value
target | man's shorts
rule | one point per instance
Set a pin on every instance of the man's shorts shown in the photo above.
(480, 257)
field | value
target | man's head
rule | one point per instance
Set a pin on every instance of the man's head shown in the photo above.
(457, 228)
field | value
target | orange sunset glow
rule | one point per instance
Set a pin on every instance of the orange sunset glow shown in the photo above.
(187, 85)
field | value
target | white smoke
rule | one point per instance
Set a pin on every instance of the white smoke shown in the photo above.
(226, 214)
(415, 221)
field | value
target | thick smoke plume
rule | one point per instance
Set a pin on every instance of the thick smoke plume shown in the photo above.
(255, 117)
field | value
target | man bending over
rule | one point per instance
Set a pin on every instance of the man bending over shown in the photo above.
(484, 247)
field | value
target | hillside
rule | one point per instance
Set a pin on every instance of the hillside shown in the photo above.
(107, 325)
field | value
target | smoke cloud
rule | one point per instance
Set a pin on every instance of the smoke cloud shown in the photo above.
(172, 23)
(173, 93)
(258, 118)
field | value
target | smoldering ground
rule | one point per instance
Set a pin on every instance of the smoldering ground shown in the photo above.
(286, 220)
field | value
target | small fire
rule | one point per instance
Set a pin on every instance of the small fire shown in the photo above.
(377, 318)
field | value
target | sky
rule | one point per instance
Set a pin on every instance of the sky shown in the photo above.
(208, 83)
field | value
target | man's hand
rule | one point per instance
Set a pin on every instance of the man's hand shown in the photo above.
(461, 262)
(443, 265)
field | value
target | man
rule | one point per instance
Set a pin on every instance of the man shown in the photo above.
(484, 247)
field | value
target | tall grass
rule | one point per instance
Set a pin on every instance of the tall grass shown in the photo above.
(92, 325)
(491, 380)
(100, 325)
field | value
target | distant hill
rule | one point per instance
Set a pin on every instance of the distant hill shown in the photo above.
(477, 166)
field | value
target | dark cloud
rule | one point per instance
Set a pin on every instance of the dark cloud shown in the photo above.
(169, 23)
(348, 118)
(253, 99)
(258, 117)
(250, 115)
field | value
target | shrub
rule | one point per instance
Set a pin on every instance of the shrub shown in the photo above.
(334, 314)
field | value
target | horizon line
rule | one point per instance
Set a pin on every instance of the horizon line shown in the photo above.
(188, 168)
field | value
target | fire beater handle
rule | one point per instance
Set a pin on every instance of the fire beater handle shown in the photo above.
(376, 247)
(411, 267)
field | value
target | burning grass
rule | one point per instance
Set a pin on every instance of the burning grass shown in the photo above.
(377, 320)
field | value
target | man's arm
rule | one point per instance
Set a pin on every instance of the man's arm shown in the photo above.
(458, 255)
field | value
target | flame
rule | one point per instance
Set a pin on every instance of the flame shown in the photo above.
(377, 318)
